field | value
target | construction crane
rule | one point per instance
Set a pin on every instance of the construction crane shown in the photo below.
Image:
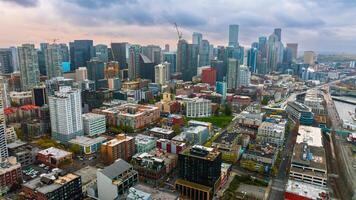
(180, 35)
(55, 40)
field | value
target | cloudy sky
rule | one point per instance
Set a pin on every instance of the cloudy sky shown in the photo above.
(320, 25)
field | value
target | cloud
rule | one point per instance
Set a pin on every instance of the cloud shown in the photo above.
(24, 3)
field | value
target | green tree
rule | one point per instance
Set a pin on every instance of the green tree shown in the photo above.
(176, 128)
(227, 110)
(261, 170)
(75, 148)
(19, 133)
(265, 100)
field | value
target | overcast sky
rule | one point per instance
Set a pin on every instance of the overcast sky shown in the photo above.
(320, 25)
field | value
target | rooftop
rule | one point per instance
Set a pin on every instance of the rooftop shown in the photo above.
(161, 130)
(119, 139)
(87, 141)
(114, 170)
(305, 189)
(202, 152)
(299, 106)
(54, 152)
(310, 135)
(144, 139)
(88, 116)
(88, 174)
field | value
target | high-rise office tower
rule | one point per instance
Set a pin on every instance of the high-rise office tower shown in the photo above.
(272, 53)
(294, 49)
(252, 59)
(95, 68)
(233, 35)
(81, 51)
(134, 61)
(53, 60)
(146, 68)
(28, 61)
(120, 53)
(182, 55)
(171, 58)
(278, 33)
(66, 114)
(204, 51)
(197, 38)
(81, 74)
(218, 65)
(309, 57)
(41, 59)
(191, 69)
(208, 75)
(153, 52)
(166, 48)
(244, 76)
(233, 73)
(6, 61)
(15, 59)
(3, 144)
(162, 73)
(101, 52)
(64, 52)
(199, 173)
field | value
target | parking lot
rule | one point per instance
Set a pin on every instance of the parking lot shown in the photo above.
(32, 171)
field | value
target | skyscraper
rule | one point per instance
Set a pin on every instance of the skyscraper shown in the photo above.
(233, 72)
(309, 57)
(244, 76)
(204, 51)
(191, 69)
(294, 49)
(28, 61)
(53, 60)
(120, 53)
(6, 61)
(162, 73)
(252, 59)
(197, 38)
(3, 145)
(218, 65)
(95, 68)
(278, 33)
(153, 52)
(66, 114)
(171, 58)
(81, 51)
(233, 35)
(15, 58)
(145, 68)
(101, 52)
(182, 55)
(272, 53)
(134, 61)
(64, 52)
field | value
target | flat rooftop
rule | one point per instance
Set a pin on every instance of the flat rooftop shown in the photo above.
(310, 135)
(305, 189)
(88, 116)
(54, 152)
(202, 152)
(87, 174)
(309, 156)
(161, 130)
(87, 141)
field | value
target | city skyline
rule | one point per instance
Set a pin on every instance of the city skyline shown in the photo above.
(307, 23)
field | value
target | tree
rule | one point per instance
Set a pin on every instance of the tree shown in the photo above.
(261, 170)
(227, 110)
(265, 100)
(75, 148)
(176, 129)
(19, 133)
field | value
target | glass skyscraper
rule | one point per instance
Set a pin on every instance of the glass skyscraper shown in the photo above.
(233, 35)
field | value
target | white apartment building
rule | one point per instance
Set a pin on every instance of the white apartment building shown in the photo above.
(315, 100)
(66, 114)
(81, 74)
(197, 107)
(244, 76)
(272, 133)
(94, 124)
(162, 73)
(3, 144)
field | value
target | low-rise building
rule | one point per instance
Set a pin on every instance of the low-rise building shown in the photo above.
(115, 180)
(297, 190)
(258, 156)
(227, 144)
(54, 157)
(88, 178)
(150, 168)
(272, 133)
(135, 194)
(144, 143)
(162, 133)
(55, 185)
(251, 119)
(120, 147)
(10, 173)
(170, 146)
(309, 162)
(24, 153)
(196, 134)
(200, 123)
(10, 135)
(88, 145)
(315, 101)
(94, 124)
(299, 112)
